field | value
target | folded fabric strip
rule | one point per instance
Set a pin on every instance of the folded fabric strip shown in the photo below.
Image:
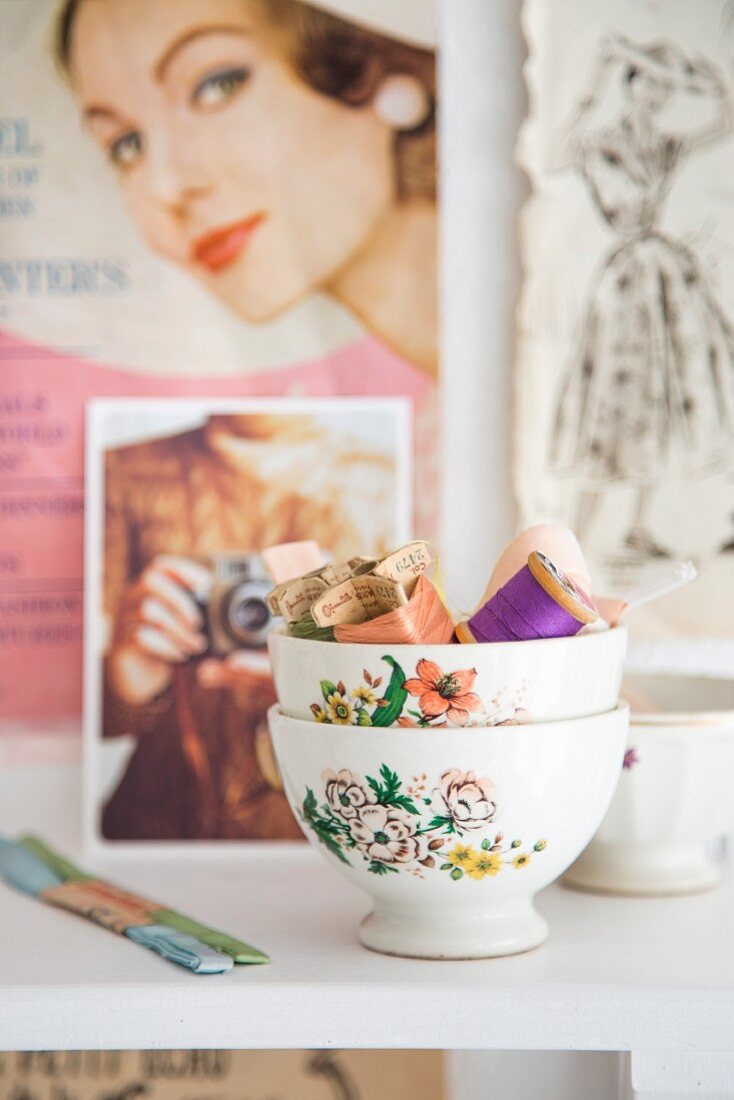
(242, 953)
(180, 948)
(22, 869)
(61, 866)
(239, 951)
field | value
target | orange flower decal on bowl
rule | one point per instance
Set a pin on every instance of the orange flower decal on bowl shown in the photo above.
(446, 694)
(444, 698)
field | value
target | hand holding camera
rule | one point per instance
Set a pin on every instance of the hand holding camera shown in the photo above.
(179, 608)
(159, 624)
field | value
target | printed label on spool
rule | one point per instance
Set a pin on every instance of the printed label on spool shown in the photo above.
(336, 573)
(406, 564)
(332, 574)
(338, 605)
(296, 600)
(360, 566)
(273, 599)
(379, 595)
(357, 600)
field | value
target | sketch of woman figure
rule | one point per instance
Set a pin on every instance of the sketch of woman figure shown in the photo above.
(655, 367)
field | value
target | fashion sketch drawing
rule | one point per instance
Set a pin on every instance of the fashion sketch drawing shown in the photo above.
(651, 378)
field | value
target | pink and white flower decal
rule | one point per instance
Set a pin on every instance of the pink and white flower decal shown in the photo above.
(346, 793)
(387, 834)
(468, 802)
(396, 828)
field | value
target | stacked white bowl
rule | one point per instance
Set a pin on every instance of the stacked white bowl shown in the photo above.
(451, 783)
(673, 803)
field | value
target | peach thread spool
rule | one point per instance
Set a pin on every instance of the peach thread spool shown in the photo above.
(289, 560)
(539, 601)
(556, 542)
(422, 620)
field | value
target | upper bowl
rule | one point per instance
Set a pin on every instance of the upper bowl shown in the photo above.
(503, 683)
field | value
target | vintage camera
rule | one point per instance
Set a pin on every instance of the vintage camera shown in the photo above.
(236, 614)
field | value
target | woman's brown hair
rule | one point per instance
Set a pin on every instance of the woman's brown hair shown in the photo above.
(337, 59)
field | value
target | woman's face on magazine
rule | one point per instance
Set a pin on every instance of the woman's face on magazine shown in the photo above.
(232, 167)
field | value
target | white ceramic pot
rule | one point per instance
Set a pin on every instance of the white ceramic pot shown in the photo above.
(451, 832)
(674, 795)
(477, 685)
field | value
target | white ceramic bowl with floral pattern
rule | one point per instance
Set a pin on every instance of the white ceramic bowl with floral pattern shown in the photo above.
(459, 685)
(674, 796)
(451, 831)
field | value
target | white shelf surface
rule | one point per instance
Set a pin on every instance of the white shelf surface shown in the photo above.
(615, 974)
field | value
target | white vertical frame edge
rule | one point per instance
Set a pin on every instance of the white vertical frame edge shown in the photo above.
(483, 102)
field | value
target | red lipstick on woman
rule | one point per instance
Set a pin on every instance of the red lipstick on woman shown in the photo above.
(219, 247)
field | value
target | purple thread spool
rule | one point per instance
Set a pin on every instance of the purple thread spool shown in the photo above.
(538, 602)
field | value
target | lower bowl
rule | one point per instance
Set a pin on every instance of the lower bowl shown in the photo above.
(451, 831)
(674, 795)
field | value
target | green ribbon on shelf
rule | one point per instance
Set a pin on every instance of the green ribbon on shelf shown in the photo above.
(240, 952)
(64, 868)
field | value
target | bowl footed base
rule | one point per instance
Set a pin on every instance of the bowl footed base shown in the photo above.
(648, 870)
(507, 930)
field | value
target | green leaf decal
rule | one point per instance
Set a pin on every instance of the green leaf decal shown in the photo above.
(375, 787)
(388, 791)
(378, 868)
(326, 828)
(440, 823)
(395, 694)
(363, 719)
(391, 781)
(404, 803)
(327, 689)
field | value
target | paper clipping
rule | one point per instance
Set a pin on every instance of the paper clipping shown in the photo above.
(625, 373)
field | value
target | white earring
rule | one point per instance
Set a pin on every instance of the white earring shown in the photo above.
(402, 102)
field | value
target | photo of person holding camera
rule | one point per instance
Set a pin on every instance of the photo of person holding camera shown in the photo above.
(185, 667)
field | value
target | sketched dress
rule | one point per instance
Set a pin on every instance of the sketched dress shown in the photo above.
(655, 366)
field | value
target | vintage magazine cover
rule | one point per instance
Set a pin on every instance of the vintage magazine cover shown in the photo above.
(625, 373)
(196, 199)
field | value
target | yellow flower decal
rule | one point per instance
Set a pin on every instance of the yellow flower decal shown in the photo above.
(365, 696)
(340, 710)
(522, 860)
(484, 863)
(320, 714)
(460, 855)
